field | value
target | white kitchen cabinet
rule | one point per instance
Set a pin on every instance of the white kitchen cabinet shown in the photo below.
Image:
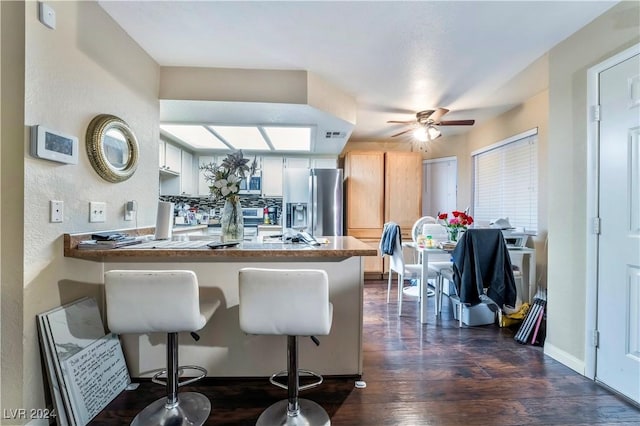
(324, 163)
(172, 159)
(169, 184)
(296, 162)
(310, 162)
(272, 173)
(187, 174)
(161, 152)
(176, 170)
(170, 164)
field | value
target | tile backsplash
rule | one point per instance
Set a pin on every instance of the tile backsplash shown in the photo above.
(205, 204)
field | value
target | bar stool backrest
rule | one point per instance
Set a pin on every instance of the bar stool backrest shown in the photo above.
(293, 302)
(148, 301)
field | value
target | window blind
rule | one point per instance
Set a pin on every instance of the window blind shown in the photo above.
(505, 181)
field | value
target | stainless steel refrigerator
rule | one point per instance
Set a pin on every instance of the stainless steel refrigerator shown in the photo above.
(312, 201)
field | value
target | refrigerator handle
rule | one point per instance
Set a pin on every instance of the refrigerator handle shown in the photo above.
(313, 191)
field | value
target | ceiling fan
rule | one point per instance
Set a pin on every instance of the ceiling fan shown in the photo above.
(424, 127)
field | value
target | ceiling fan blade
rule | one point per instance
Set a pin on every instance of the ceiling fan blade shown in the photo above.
(456, 123)
(401, 122)
(438, 114)
(401, 133)
(423, 116)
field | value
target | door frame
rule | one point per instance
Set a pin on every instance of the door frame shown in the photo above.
(593, 194)
(453, 158)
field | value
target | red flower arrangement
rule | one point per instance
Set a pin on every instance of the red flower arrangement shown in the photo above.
(459, 221)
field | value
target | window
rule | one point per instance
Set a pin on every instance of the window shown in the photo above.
(505, 181)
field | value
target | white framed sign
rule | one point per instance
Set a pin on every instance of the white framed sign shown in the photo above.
(55, 146)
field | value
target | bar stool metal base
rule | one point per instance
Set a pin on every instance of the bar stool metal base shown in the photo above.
(309, 414)
(192, 409)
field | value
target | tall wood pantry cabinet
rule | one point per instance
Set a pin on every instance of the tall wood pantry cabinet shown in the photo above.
(381, 187)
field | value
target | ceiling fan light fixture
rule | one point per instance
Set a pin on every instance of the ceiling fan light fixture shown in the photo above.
(426, 133)
(426, 126)
(420, 134)
(433, 133)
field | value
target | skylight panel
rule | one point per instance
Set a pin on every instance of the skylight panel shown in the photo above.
(289, 138)
(193, 135)
(242, 137)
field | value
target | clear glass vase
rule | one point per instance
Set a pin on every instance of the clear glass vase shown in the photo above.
(231, 223)
(453, 234)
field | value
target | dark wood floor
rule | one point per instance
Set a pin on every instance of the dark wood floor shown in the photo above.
(431, 374)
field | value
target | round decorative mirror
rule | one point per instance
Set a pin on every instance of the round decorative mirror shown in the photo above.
(112, 148)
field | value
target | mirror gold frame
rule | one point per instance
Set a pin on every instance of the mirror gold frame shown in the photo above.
(112, 148)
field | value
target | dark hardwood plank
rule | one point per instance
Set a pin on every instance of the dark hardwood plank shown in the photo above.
(420, 374)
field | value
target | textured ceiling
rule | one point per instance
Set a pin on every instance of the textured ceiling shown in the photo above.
(394, 58)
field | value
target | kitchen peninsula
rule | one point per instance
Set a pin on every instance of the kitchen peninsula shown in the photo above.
(224, 350)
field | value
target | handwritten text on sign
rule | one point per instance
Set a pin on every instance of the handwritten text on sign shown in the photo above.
(96, 375)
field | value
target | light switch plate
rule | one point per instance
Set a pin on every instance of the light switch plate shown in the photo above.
(56, 211)
(97, 211)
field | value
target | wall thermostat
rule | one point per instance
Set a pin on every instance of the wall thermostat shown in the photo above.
(47, 15)
(55, 146)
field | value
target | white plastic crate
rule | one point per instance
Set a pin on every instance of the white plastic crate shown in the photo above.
(483, 313)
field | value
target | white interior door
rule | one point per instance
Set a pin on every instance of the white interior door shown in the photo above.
(618, 316)
(439, 186)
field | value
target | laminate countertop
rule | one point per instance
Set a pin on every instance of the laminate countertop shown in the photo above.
(194, 248)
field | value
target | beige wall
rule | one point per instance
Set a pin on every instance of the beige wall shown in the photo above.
(233, 85)
(531, 114)
(86, 66)
(11, 198)
(569, 61)
(375, 146)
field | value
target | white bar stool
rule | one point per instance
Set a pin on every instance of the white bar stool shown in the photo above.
(292, 303)
(167, 302)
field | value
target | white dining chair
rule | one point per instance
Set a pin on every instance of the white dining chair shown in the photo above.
(405, 271)
(438, 263)
(417, 226)
(418, 229)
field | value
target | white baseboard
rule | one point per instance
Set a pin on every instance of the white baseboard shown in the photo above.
(563, 357)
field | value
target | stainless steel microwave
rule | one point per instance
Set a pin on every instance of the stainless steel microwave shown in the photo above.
(251, 185)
